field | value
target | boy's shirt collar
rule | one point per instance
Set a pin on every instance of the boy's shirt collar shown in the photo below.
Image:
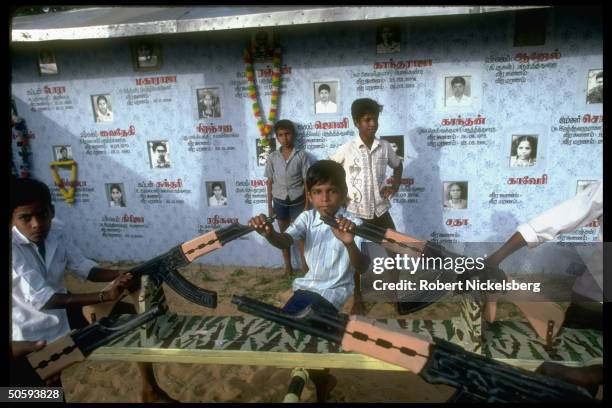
(317, 220)
(360, 142)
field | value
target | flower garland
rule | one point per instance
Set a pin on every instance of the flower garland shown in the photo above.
(69, 194)
(264, 128)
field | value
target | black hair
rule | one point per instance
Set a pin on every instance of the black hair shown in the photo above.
(533, 143)
(394, 28)
(101, 97)
(63, 148)
(117, 187)
(154, 145)
(284, 124)
(599, 75)
(327, 171)
(458, 80)
(28, 191)
(324, 86)
(216, 184)
(364, 106)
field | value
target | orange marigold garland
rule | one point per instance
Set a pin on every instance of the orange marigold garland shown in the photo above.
(264, 128)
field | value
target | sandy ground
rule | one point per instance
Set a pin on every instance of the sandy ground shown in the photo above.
(94, 381)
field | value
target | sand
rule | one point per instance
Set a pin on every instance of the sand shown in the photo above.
(95, 381)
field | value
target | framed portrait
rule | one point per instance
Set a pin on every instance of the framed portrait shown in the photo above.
(397, 143)
(582, 185)
(209, 103)
(326, 96)
(47, 65)
(102, 108)
(595, 86)
(159, 154)
(216, 193)
(388, 38)
(263, 42)
(524, 150)
(146, 54)
(455, 195)
(115, 195)
(458, 91)
(264, 150)
(62, 152)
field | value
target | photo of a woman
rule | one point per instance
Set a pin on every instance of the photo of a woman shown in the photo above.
(524, 150)
(208, 103)
(115, 192)
(455, 196)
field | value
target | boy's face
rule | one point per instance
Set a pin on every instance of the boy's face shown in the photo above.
(326, 198)
(33, 221)
(367, 125)
(285, 137)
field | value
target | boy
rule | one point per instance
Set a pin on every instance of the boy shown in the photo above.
(286, 170)
(365, 159)
(42, 309)
(331, 253)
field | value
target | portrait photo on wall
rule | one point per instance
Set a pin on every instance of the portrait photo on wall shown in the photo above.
(263, 42)
(102, 108)
(458, 91)
(209, 103)
(326, 96)
(581, 185)
(216, 193)
(115, 195)
(524, 150)
(595, 86)
(159, 154)
(388, 38)
(455, 195)
(397, 143)
(62, 152)
(146, 55)
(47, 65)
(264, 149)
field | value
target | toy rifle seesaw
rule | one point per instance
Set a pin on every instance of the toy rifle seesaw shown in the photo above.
(545, 317)
(437, 361)
(164, 268)
(76, 345)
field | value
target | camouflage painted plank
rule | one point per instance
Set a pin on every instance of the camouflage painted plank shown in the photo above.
(516, 340)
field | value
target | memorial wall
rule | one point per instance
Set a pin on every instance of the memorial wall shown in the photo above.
(505, 111)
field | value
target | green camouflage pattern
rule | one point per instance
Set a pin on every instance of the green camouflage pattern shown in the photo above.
(506, 340)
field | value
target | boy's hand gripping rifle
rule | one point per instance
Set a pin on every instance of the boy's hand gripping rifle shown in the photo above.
(545, 317)
(164, 268)
(437, 361)
(78, 344)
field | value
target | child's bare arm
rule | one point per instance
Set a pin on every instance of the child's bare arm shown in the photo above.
(279, 240)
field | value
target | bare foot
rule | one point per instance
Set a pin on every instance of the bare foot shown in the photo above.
(288, 272)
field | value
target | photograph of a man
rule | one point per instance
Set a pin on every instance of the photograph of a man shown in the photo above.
(262, 44)
(216, 193)
(387, 38)
(102, 108)
(62, 153)
(458, 91)
(158, 154)
(325, 96)
(397, 144)
(595, 86)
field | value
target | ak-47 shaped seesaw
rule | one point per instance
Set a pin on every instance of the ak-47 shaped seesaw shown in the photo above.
(437, 361)
(545, 317)
(76, 345)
